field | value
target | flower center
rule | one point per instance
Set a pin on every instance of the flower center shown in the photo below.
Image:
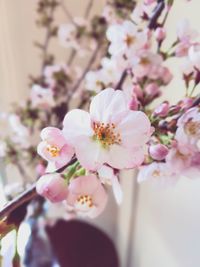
(85, 201)
(192, 128)
(129, 40)
(105, 133)
(53, 150)
(156, 173)
(144, 61)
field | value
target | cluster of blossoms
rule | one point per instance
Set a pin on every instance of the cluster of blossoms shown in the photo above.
(82, 153)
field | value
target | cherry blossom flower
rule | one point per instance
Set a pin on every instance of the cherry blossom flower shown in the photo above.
(94, 81)
(41, 97)
(125, 39)
(86, 196)
(194, 56)
(162, 110)
(186, 36)
(188, 131)
(107, 176)
(54, 148)
(159, 173)
(53, 187)
(67, 35)
(110, 133)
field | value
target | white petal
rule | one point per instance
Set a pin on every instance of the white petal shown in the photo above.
(90, 153)
(106, 104)
(76, 123)
(134, 129)
(117, 190)
(124, 158)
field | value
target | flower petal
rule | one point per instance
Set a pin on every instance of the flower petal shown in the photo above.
(124, 158)
(77, 123)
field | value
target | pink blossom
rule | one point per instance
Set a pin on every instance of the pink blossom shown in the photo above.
(178, 161)
(162, 110)
(133, 104)
(146, 63)
(110, 133)
(53, 187)
(160, 173)
(107, 176)
(125, 39)
(165, 75)
(188, 131)
(54, 147)
(152, 89)
(87, 196)
(158, 151)
(184, 31)
(194, 56)
(67, 35)
(41, 97)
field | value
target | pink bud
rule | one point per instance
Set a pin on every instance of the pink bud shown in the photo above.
(137, 91)
(166, 75)
(52, 187)
(133, 105)
(186, 103)
(40, 169)
(160, 34)
(152, 89)
(158, 152)
(162, 110)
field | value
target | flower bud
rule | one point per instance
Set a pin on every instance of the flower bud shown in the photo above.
(152, 89)
(137, 91)
(160, 34)
(133, 105)
(52, 187)
(158, 152)
(162, 110)
(40, 169)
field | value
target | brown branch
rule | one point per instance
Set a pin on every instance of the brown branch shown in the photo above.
(26, 196)
(121, 81)
(88, 9)
(153, 23)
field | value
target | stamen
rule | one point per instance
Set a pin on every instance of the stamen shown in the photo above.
(85, 200)
(53, 150)
(105, 133)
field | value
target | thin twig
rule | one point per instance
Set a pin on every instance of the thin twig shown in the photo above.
(121, 81)
(157, 12)
(24, 197)
(67, 12)
(88, 9)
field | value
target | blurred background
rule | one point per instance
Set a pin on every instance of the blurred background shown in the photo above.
(167, 228)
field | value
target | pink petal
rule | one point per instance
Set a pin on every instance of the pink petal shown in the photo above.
(77, 123)
(124, 158)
